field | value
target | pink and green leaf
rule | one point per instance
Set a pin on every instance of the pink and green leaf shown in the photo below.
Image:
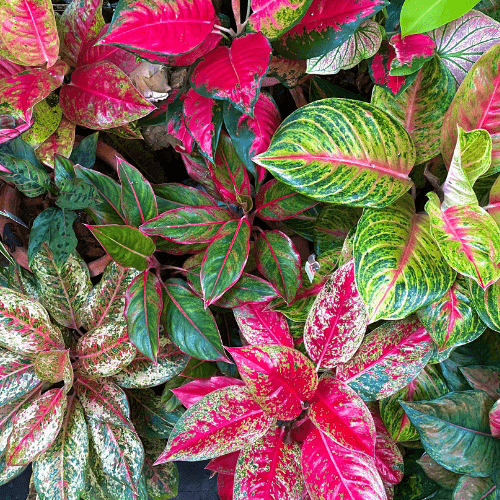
(55, 366)
(475, 488)
(483, 378)
(248, 289)
(444, 477)
(412, 52)
(495, 420)
(60, 143)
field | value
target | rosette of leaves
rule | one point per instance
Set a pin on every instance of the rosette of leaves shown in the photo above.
(75, 399)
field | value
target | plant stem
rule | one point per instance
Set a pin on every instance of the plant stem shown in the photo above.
(223, 30)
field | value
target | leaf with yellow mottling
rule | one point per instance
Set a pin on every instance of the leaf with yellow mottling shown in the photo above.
(54, 366)
(60, 143)
(46, 119)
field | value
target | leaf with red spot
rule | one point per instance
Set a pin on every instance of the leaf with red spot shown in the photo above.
(173, 26)
(259, 325)
(329, 467)
(342, 415)
(337, 320)
(452, 320)
(252, 135)
(28, 32)
(223, 421)
(278, 377)
(192, 392)
(101, 96)
(225, 259)
(286, 71)
(80, 22)
(412, 52)
(229, 174)
(59, 143)
(234, 74)
(21, 91)
(36, 427)
(279, 262)
(483, 378)
(326, 25)
(203, 119)
(269, 468)
(389, 358)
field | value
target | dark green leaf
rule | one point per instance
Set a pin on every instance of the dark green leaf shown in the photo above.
(30, 180)
(84, 153)
(76, 194)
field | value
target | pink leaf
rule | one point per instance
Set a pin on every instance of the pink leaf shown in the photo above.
(8, 68)
(337, 320)
(234, 74)
(279, 377)
(412, 52)
(495, 420)
(259, 325)
(59, 143)
(176, 126)
(225, 485)
(226, 464)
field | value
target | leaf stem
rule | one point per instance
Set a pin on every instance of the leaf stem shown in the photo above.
(223, 30)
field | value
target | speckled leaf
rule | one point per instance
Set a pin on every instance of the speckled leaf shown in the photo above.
(460, 43)
(474, 488)
(55, 366)
(412, 52)
(278, 377)
(468, 238)
(36, 427)
(190, 326)
(7, 472)
(59, 473)
(389, 358)
(269, 468)
(346, 158)
(46, 118)
(62, 289)
(28, 31)
(58, 143)
(174, 27)
(224, 73)
(25, 325)
(277, 201)
(105, 350)
(259, 325)
(337, 320)
(486, 303)
(342, 415)
(17, 377)
(143, 373)
(188, 224)
(31, 180)
(329, 467)
(362, 44)
(279, 262)
(106, 300)
(459, 422)
(224, 259)
(143, 307)
(420, 109)
(392, 284)
(473, 107)
(286, 71)
(483, 378)
(126, 245)
(428, 384)
(444, 477)
(101, 96)
(248, 289)
(452, 320)
(223, 421)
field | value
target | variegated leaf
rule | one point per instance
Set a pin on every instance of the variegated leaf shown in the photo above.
(223, 421)
(31, 180)
(412, 52)
(55, 366)
(286, 71)
(362, 44)
(342, 143)
(389, 358)
(59, 473)
(483, 378)
(278, 377)
(475, 488)
(269, 468)
(9, 472)
(337, 320)
(25, 325)
(36, 427)
(46, 118)
(105, 350)
(59, 143)
(409, 271)
(62, 290)
(444, 477)
(248, 289)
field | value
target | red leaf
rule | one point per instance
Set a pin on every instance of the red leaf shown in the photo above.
(278, 377)
(342, 415)
(234, 74)
(101, 96)
(332, 471)
(411, 53)
(192, 392)
(337, 321)
(161, 27)
(8, 68)
(225, 485)
(176, 126)
(259, 325)
(226, 464)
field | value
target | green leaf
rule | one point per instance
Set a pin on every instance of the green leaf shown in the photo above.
(483, 378)
(143, 306)
(170, 196)
(444, 477)
(53, 228)
(46, 117)
(419, 16)
(31, 180)
(162, 480)
(225, 259)
(126, 245)
(63, 169)
(398, 265)
(76, 194)
(191, 327)
(342, 151)
(59, 474)
(62, 290)
(455, 431)
(475, 488)
(248, 289)
(84, 153)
